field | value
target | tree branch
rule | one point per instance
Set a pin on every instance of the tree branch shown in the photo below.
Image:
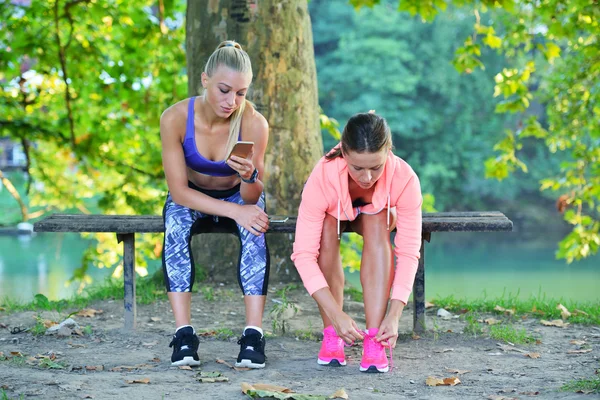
(14, 193)
(63, 64)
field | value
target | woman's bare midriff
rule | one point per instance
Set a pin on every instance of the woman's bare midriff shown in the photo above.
(212, 182)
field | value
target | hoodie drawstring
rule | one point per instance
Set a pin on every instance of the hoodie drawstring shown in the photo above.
(388, 213)
(338, 219)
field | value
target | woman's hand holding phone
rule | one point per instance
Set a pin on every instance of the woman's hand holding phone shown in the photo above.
(240, 164)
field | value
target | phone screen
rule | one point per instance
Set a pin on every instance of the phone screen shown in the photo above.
(241, 149)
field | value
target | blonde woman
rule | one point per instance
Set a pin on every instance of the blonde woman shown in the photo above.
(197, 135)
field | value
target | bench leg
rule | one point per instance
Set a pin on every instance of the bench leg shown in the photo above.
(419, 290)
(128, 240)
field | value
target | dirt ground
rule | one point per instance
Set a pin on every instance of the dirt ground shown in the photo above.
(103, 362)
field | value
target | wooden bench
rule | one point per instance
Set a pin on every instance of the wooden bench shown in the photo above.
(126, 226)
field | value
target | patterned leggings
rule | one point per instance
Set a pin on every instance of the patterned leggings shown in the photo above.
(181, 223)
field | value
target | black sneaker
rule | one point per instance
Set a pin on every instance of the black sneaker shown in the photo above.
(252, 350)
(185, 347)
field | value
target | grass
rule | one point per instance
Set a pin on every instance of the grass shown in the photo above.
(148, 290)
(509, 334)
(587, 385)
(537, 307)
(5, 396)
(220, 333)
(473, 326)
(208, 292)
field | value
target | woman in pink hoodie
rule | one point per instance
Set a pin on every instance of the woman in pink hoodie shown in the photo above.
(363, 185)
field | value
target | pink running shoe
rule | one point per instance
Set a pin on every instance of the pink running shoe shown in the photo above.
(373, 358)
(332, 349)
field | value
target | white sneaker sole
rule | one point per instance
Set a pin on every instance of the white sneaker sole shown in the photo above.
(249, 364)
(333, 363)
(186, 361)
(373, 368)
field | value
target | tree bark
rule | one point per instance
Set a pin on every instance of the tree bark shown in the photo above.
(277, 35)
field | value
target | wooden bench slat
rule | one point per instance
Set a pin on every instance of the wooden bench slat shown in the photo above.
(432, 222)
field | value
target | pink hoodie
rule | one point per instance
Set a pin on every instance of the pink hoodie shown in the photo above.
(326, 191)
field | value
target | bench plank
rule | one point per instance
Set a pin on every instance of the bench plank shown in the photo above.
(432, 222)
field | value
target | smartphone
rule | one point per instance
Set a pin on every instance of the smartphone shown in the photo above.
(241, 149)
(278, 218)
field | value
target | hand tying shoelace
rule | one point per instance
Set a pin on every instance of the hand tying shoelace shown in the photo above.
(385, 343)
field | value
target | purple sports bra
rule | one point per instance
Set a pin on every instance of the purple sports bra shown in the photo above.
(193, 158)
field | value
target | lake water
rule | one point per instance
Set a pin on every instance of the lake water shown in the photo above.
(461, 264)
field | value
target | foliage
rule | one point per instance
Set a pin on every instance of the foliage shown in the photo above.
(553, 50)
(443, 123)
(82, 86)
(584, 385)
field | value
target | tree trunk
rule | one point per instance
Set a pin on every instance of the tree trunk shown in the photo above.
(278, 37)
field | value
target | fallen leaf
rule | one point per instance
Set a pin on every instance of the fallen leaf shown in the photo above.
(47, 323)
(492, 321)
(186, 367)
(78, 332)
(443, 351)
(578, 342)
(2, 309)
(415, 336)
(273, 388)
(578, 312)
(94, 367)
(584, 351)
(535, 310)
(564, 313)
(429, 305)
(449, 331)
(530, 393)
(496, 397)
(339, 394)
(89, 312)
(452, 381)
(76, 345)
(155, 319)
(457, 371)
(213, 380)
(219, 361)
(585, 391)
(433, 381)
(207, 333)
(16, 354)
(144, 381)
(533, 355)
(149, 344)
(555, 322)
(155, 359)
(3, 326)
(507, 348)
(507, 311)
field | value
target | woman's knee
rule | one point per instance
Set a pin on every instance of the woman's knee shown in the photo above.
(376, 228)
